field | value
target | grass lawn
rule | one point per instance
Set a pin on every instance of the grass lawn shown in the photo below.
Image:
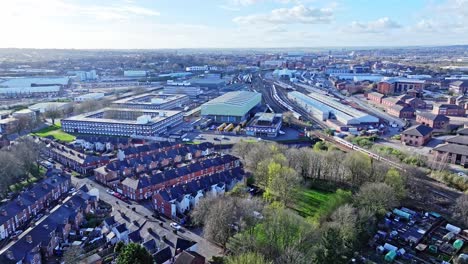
(314, 203)
(56, 132)
(19, 186)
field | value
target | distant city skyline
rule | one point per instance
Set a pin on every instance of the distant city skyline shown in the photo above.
(150, 24)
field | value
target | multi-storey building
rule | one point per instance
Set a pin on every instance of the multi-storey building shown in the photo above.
(123, 122)
(153, 101)
(432, 120)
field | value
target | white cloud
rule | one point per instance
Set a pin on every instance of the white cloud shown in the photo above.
(378, 26)
(299, 14)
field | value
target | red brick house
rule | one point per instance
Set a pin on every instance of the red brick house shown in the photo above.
(401, 111)
(375, 97)
(386, 88)
(432, 120)
(417, 135)
(450, 110)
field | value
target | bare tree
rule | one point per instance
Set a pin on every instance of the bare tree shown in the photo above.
(376, 197)
(72, 255)
(53, 114)
(461, 209)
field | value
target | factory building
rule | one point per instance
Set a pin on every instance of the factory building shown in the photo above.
(153, 101)
(32, 86)
(232, 107)
(324, 107)
(182, 88)
(123, 122)
(89, 97)
(135, 73)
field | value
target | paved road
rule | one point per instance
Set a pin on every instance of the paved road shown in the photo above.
(129, 217)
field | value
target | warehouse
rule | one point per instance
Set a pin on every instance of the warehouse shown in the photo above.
(264, 124)
(123, 122)
(153, 101)
(324, 107)
(183, 88)
(232, 107)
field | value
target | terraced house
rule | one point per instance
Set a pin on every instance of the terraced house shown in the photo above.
(181, 198)
(143, 186)
(135, 161)
(14, 214)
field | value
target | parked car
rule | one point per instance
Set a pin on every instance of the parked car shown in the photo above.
(175, 226)
(109, 191)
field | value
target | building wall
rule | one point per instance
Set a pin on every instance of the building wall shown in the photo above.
(416, 141)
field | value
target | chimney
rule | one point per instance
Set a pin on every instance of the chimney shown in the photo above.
(29, 239)
(3, 212)
(44, 185)
(33, 194)
(20, 202)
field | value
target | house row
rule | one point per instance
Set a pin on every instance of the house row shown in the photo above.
(133, 151)
(121, 168)
(454, 150)
(449, 110)
(434, 121)
(16, 213)
(181, 198)
(162, 253)
(79, 162)
(402, 106)
(143, 187)
(48, 238)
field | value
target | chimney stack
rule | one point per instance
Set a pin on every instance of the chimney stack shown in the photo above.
(3, 212)
(29, 239)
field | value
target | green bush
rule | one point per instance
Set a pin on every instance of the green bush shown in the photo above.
(451, 179)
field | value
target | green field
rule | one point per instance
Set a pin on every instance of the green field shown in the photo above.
(315, 203)
(56, 132)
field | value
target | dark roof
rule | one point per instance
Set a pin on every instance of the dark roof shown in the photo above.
(449, 106)
(460, 140)
(433, 117)
(135, 236)
(121, 228)
(163, 255)
(418, 130)
(41, 233)
(459, 83)
(453, 148)
(379, 95)
(110, 221)
(403, 108)
(184, 244)
(150, 245)
(187, 257)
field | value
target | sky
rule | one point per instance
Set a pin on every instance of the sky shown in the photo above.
(155, 24)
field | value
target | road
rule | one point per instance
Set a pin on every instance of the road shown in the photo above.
(123, 213)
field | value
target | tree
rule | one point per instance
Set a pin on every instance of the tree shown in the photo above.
(223, 216)
(394, 179)
(329, 247)
(376, 197)
(11, 170)
(282, 182)
(461, 209)
(24, 123)
(72, 255)
(27, 151)
(319, 146)
(247, 258)
(359, 167)
(134, 253)
(118, 247)
(53, 113)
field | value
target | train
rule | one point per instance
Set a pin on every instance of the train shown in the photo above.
(284, 104)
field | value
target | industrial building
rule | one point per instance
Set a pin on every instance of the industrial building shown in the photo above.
(264, 124)
(324, 107)
(135, 73)
(232, 107)
(182, 88)
(153, 101)
(123, 122)
(32, 86)
(209, 82)
(88, 97)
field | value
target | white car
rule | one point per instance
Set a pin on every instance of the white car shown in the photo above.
(281, 132)
(109, 191)
(186, 139)
(175, 226)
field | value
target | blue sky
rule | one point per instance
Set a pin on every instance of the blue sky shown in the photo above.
(150, 24)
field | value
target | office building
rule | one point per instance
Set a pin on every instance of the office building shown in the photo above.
(153, 101)
(232, 107)
(264, 124)
(123, 122)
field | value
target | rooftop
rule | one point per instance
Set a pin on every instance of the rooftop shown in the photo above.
(418, 130)
(123, 116)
